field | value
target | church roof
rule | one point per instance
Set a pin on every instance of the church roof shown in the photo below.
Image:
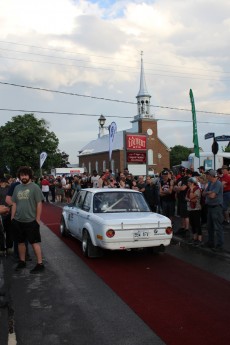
(102, 144)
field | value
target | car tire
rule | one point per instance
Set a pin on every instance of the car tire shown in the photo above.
(63, 229)
(88, 249)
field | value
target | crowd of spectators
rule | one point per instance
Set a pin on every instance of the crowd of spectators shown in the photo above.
(184, 195)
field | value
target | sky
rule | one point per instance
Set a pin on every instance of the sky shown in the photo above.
(69, 61)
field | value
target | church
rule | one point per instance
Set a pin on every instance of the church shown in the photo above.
(138, 149)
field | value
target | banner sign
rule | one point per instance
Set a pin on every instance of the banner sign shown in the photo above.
(43, 157)
(195, 133)
(135, 142)
(112, 132)
(136, 157)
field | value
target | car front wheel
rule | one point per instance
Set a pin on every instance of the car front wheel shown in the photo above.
(63, 229)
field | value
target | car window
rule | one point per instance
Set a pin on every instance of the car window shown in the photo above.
(110, 202)
(87, 202)
(80, 199)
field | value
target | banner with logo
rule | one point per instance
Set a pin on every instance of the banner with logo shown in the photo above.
(112, 132)
(195, 134)
(43, 157)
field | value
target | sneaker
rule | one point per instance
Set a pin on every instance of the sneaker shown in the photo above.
(218, 249)
(191, 241)
(10, 251)
(199, 243)
(208, 245)
(38, 268)
(21, 264)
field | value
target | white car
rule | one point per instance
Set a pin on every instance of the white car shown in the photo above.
(114, 219)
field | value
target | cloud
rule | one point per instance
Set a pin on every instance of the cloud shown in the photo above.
(93, 48)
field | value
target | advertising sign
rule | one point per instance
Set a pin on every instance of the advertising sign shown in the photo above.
(135, 142)
(136, 157)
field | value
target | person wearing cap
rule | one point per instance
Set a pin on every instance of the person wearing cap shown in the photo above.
(214, 200)
(167, 195)
(193, 198)
(225, 179)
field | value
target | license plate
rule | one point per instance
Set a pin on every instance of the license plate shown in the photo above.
(140, 234)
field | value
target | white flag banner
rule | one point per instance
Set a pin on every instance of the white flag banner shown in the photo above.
(43, 157)
(112, 132)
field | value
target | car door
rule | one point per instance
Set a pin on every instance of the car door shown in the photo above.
(74, 212)
(85, 213)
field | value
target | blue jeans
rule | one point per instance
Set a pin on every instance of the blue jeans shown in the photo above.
(215, 225)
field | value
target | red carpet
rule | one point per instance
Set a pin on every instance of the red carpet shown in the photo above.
(182, 304)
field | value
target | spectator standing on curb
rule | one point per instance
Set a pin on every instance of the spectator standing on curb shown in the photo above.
(45, 185)
(225, 179)
(6, 233)
(167, 195)
(214, 199)
(26, 212)
(94, 179)
(151, 194)
(193, 198)
(181, 190)
(52, 188)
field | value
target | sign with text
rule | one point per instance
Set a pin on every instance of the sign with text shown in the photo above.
(209, 135)
(223, 138)
(136, 157)
(135, 142)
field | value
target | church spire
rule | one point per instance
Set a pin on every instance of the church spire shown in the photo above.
(143, 97)
(143, 88)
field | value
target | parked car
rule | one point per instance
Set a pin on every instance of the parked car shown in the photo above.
(114, 219)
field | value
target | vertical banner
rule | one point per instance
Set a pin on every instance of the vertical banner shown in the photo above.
(195, 135)
(43, 157)
(112, 132)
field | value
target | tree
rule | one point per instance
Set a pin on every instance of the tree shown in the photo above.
(22, 141)
(179, 153)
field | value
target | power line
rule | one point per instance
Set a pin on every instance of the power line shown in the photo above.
(104, 57)
(118, 70)
(97, 115)
(108, 99)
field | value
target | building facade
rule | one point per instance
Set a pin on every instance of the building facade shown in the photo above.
(147, 155)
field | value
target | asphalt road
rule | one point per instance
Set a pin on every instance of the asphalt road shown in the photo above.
(67, 304)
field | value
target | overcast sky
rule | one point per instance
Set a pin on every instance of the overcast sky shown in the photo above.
(89, 51)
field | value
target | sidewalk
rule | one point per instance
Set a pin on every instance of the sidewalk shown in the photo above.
(183, 240)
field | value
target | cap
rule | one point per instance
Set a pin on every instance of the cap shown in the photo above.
(192, 180)
(225, 167)
(211, 172)
(201, 167)
(164, 172)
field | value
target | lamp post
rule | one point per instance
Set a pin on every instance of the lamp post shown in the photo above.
(101, 122)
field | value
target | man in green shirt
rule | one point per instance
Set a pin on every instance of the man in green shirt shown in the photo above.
(26, 213)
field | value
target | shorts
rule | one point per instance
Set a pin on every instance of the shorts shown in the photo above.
(226, 200)
(182, 209)
(26, 231)
(168, 208)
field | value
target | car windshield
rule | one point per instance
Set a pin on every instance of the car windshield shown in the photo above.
(111, 202)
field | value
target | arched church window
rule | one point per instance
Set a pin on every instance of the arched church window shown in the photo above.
(150, 157)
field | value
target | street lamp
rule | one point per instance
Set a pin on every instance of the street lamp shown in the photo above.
(101, 121)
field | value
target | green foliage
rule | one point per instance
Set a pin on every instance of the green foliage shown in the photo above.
(179, 153)
(22, 141)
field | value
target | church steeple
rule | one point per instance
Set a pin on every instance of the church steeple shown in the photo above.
(143, 96)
